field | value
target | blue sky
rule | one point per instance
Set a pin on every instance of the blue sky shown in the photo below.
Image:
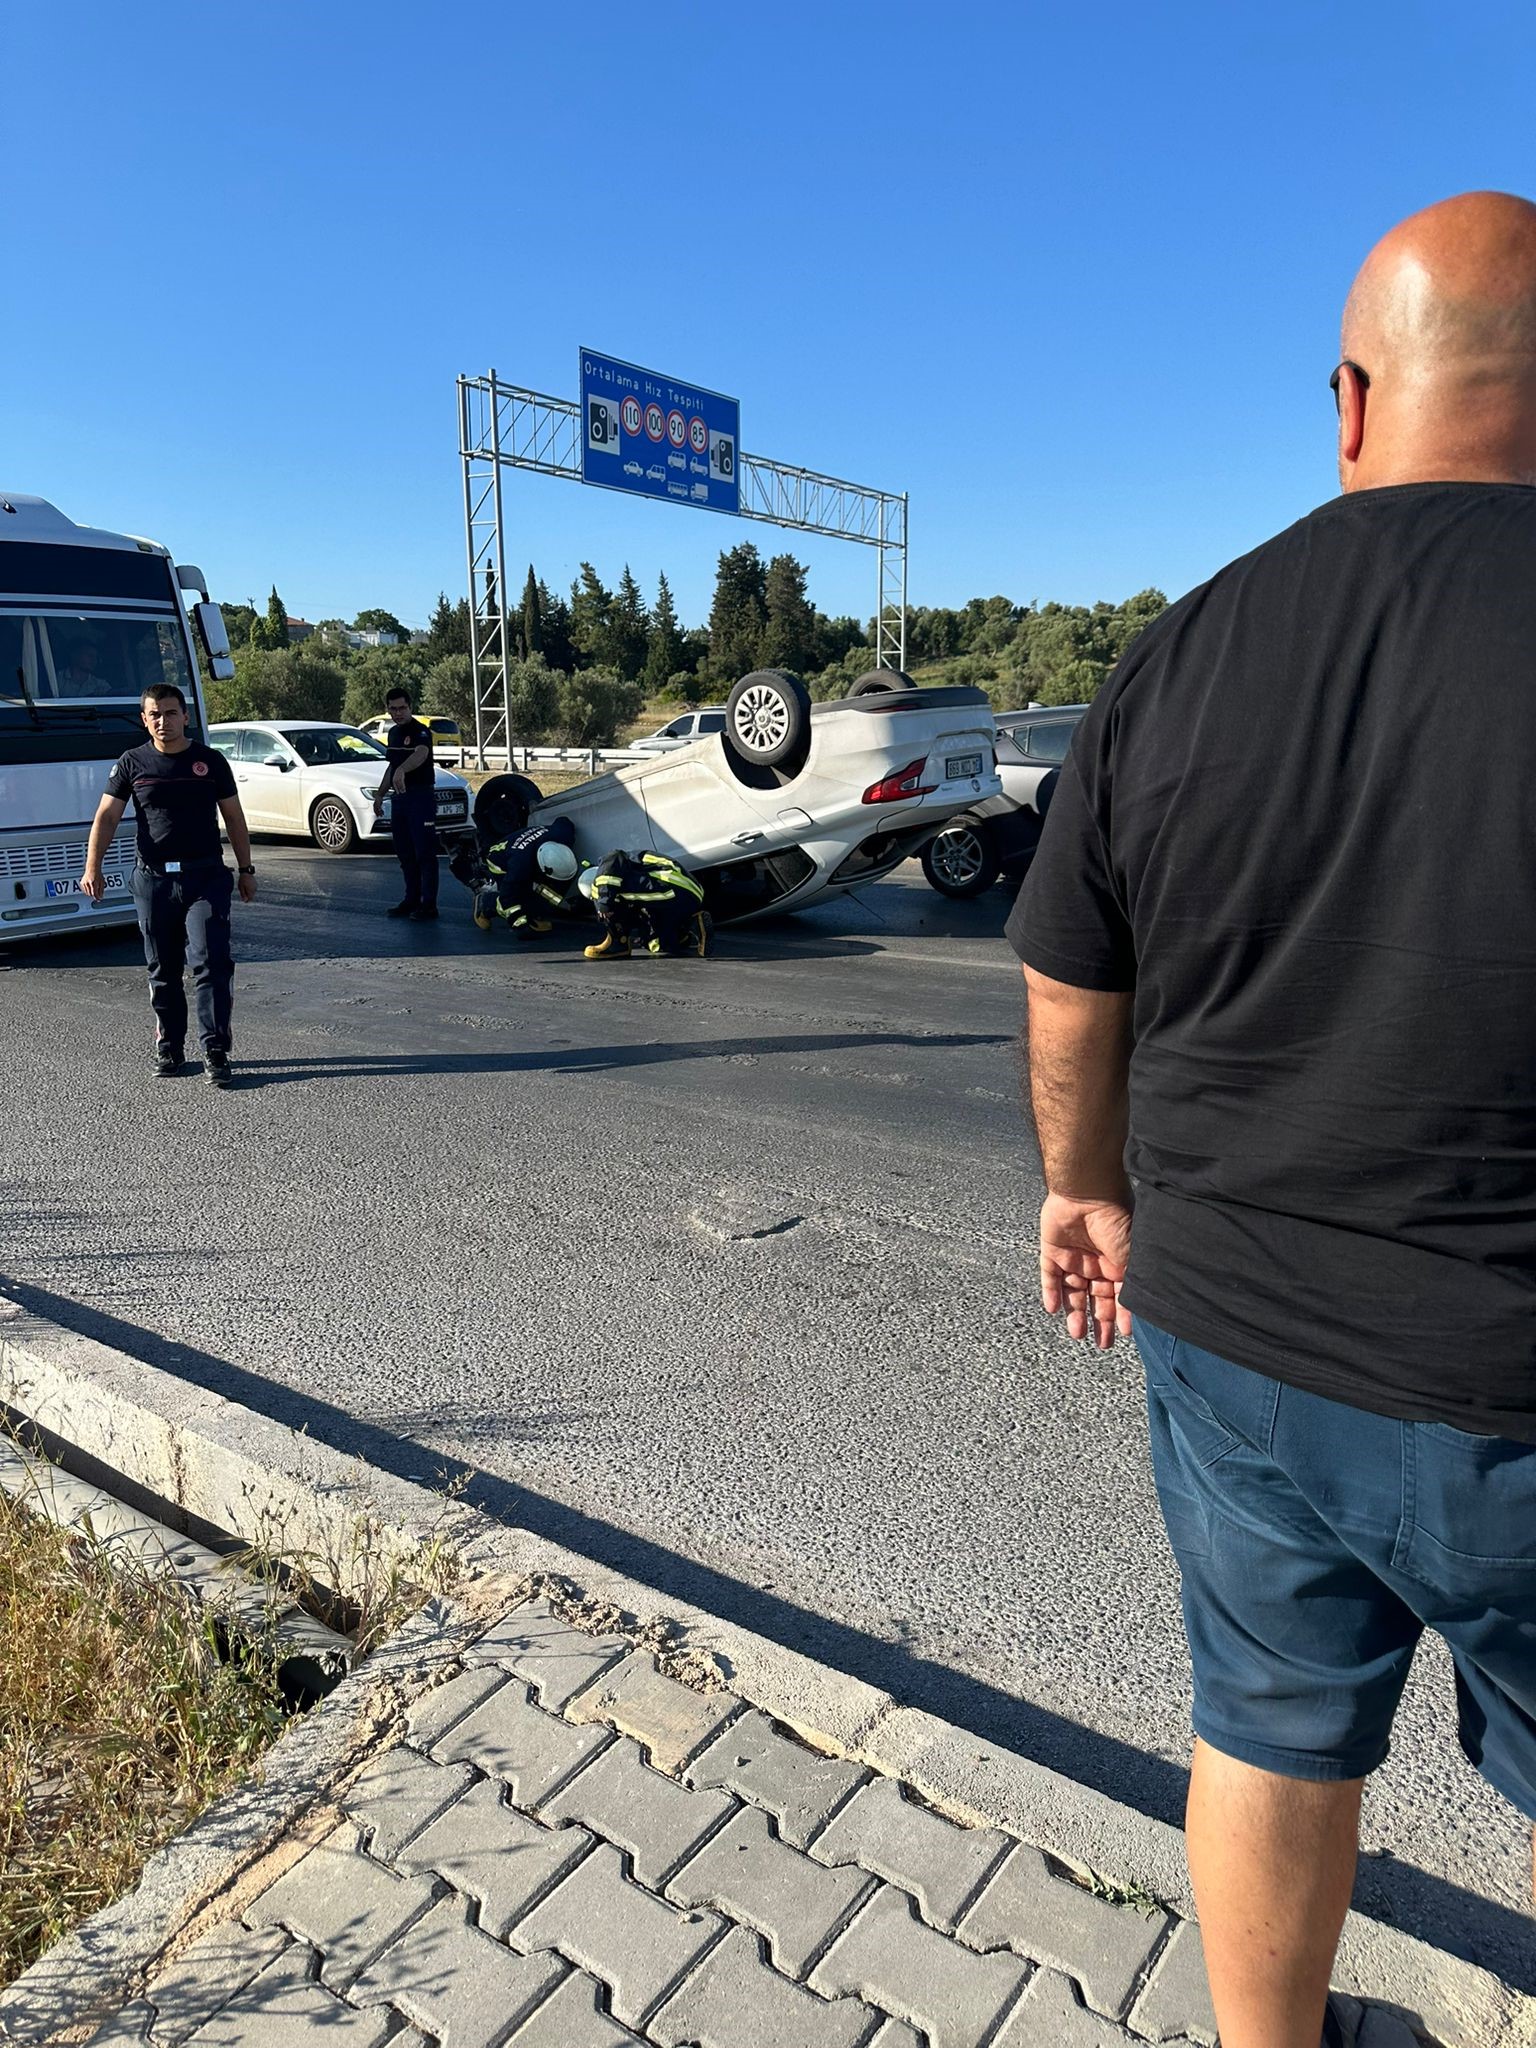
(1068, 274)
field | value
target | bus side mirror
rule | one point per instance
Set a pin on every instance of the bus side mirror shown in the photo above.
(214, 635)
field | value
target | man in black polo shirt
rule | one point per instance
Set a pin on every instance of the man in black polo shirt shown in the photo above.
(1280, 943)
(181, 887)
(411, 786)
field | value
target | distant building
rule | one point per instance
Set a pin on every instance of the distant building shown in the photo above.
(371, 636)
(298, 629)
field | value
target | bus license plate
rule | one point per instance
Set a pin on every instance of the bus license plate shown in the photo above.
(961, 769)
(71, 887)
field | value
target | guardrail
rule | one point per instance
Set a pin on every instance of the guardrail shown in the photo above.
(592, 759)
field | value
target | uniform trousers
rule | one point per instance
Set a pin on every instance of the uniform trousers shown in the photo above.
(184, 919)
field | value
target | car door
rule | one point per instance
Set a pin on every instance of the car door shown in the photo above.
(265, 793)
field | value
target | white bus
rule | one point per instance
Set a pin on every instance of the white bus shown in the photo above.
(88, 620)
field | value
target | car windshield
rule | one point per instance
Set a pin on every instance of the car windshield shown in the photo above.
(328, 746)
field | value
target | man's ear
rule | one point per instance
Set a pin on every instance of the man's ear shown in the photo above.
(1352, 399)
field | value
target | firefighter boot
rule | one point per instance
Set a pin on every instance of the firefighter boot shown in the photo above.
(485, 909)
(611, 946)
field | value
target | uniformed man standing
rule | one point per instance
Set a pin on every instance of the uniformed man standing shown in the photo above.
(411, 786)
(181, 887)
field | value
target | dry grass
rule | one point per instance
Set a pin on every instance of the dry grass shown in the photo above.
(122, 1715)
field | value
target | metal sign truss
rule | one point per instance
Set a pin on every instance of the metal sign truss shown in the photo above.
(503, 427)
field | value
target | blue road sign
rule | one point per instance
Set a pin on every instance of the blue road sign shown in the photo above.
(645, 432)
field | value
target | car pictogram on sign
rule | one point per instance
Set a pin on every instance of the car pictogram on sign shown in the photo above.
(655, 422)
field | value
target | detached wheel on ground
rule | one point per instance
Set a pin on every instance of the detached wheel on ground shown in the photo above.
(502, 806)
(961, 860)
(768, 719)
(332, 826)
(881, 679)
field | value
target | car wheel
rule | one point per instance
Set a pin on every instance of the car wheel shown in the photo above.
(881, 679)
(768, 718)
(332, 825)
(961, 860)
(502, 806)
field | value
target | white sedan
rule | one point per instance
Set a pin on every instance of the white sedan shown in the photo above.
(318, 781)
(791, 801)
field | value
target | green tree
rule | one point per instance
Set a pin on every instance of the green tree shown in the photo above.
(664, 650)
(531, 636)
(591, 616)
(593, 704)
(555, 615)
(282, 682)
(448, 688)
(447, 629)
(737, 615)
(789, 628)
(629, 628)
(238, 621)
(372, 672)
(271, 631)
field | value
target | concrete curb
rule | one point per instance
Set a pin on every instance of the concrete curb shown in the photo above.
(226, 1468)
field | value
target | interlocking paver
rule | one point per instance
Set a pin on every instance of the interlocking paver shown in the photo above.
(1035, 1913)
(207, 1975)
(284, 2005)
(508, 1737)
(890, 1957)
(455, 1982)
(942, 1865)
(1049, 2016)
(637, 1945)
(750, 1876)
(671, 1720)
(558, 1661)
(343, 1903)
(897, 2034)
(492, 1853)
(573, 2017)
(398, 1794)
(1177, 2001)
(798, 1787)
(435, 1712)
(126, 2029)
(622, 1799)
(733, 2000)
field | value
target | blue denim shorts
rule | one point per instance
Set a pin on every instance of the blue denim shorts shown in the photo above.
(1316, 1543)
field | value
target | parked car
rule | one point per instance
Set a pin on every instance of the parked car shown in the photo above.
(317, 781)
(683, 731)
(999, 836)
(791, 800)
(446, 737)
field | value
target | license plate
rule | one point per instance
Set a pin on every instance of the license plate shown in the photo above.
(963, 767)
(71, 887)
(450, 810)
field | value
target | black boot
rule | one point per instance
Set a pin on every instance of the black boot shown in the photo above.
(169, 1060)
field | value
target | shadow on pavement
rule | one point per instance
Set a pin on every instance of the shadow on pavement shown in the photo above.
(1445, 1914)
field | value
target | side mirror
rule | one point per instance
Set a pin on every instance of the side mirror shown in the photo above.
(277, 761)
(214, 635)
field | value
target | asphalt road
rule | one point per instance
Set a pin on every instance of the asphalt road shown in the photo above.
(719, 1272)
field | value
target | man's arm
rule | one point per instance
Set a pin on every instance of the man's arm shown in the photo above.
(413, 760)
(103, 830)
(240, 843)
(1079, 1074)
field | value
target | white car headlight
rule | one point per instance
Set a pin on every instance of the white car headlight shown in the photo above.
(370, 794)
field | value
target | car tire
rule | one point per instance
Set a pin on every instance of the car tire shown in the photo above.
(502, 805)
(332, 825)
(768, 719)
(961, 860)
(880, 680)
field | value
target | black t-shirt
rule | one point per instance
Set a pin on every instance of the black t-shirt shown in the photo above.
(1300, 822)
(175, 799)
(402, 741)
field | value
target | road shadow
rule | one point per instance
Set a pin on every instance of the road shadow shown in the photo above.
(1430, 1907)
(592, 1059)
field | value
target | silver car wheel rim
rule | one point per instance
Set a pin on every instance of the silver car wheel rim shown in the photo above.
(761, 719)
(330, 825)
(958, 857)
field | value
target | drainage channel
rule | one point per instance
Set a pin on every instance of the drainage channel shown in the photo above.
(313, 1657)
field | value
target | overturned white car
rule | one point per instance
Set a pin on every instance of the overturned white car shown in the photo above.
(793, 799)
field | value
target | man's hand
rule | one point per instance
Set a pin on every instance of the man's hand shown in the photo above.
(247, 887)
(93, 883)
(1085, 1248)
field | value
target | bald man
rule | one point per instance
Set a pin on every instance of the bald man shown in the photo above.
(1280, 947)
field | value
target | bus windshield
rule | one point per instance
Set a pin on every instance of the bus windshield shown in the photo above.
(62, 657)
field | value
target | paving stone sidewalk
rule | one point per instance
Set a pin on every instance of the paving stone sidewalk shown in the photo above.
(570, 1849)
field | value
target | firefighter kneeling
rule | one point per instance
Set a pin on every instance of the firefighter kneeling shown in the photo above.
(636, 894)
(532, 873)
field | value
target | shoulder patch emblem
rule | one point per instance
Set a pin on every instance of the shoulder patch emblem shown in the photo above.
(199, 767)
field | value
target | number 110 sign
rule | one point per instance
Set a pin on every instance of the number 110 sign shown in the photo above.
(656, 435)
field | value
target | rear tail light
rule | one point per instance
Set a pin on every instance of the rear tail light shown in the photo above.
(906, 782)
